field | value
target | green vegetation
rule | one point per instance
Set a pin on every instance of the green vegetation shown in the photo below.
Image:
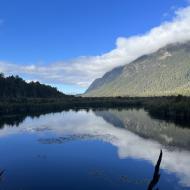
(163, 73)
(175, 109)
(16, 87)
(21, 98)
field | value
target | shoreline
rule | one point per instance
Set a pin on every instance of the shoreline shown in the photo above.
(172, 109)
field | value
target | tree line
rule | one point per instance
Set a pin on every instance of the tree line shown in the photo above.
(16, 87)
(19, 97)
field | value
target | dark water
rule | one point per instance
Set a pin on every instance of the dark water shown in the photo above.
(102, 150)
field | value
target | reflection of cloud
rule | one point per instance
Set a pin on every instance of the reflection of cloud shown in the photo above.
(128, 144)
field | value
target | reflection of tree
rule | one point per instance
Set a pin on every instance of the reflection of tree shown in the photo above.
(16, 120)
(156, 175)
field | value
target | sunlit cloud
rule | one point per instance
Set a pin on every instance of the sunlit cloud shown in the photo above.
(82, 71)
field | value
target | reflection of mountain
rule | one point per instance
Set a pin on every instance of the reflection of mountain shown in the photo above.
(88, 124)
(139, 122)
(110, 117)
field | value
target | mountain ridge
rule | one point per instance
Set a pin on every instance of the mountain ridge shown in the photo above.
(164, 72)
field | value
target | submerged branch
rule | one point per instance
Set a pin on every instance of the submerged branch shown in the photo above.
(156, 175)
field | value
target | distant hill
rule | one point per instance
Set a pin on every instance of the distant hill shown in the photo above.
(16, 87)
(165, 72)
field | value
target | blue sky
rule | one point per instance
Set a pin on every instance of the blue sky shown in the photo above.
(36, 34)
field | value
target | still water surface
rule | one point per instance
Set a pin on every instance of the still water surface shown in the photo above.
(109, 150)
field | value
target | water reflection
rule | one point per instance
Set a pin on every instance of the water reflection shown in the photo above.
(132, 132)
(140, 123)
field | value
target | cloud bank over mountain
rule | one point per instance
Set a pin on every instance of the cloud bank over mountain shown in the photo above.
(83, 70)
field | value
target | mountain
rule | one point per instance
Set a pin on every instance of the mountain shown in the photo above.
(164, 72)
(16, 87)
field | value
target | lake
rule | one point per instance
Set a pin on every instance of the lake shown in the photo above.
(92, 150)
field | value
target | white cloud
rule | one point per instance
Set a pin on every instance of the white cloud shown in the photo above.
(83, 70)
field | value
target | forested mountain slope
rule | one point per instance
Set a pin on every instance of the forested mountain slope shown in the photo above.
(165, 72)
